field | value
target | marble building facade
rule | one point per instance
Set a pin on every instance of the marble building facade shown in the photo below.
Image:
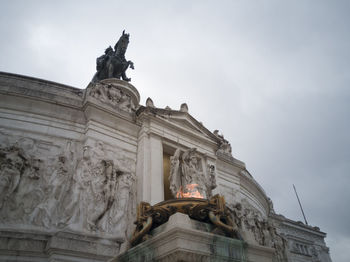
(75, 163)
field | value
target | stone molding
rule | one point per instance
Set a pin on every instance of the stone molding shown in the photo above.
(62, 246)
(250, 185)
(39, 89)
(181, 121)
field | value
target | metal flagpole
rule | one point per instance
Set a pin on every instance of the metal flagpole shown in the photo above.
(300, 204)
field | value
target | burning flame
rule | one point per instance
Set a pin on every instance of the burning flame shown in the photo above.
(190, 191)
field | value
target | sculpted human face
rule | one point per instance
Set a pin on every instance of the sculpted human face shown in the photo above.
(14, 161)
(193, 160)
(12, 167)
(86, 152)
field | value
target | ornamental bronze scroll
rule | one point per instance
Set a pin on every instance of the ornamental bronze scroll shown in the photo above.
(211, 211)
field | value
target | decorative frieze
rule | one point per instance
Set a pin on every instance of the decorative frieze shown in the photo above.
(91, 193)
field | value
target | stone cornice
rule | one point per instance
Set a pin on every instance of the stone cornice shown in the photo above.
(39, 89)
(253, 186)
(175, 114)
(298, 225)
(38, 81)
(164, 118)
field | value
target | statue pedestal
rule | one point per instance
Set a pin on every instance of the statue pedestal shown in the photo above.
(184, 239)
(33, 245)
(112, 94)
(124, 86)
(187, 240)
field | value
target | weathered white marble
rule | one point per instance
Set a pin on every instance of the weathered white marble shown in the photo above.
(67, 166)
(22, 245)
(74, 164)
(305, 243)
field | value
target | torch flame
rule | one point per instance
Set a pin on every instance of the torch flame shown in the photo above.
(190, 191)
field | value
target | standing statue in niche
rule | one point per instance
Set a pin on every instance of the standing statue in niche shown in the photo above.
(187, 177)
(113, 63)
(175, 182)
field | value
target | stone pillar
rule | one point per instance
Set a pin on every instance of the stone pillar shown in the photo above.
(157, 183)
(142, 167)
(149, 169)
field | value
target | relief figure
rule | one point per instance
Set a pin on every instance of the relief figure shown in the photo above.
(187, 178)
(12, 165)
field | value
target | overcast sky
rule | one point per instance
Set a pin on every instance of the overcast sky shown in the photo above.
(272, 76)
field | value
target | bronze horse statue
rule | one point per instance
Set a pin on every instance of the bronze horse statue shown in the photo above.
(113, 63)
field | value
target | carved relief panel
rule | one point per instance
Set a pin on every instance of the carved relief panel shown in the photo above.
(66, 186)
(112, 95)
(257, 229)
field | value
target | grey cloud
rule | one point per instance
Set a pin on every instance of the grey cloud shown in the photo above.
(272, 76)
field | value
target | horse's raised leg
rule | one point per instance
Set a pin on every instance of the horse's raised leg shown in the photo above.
(125, 78)
(125, 67)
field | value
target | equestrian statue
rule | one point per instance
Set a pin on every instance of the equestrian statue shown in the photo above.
(113, 63)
